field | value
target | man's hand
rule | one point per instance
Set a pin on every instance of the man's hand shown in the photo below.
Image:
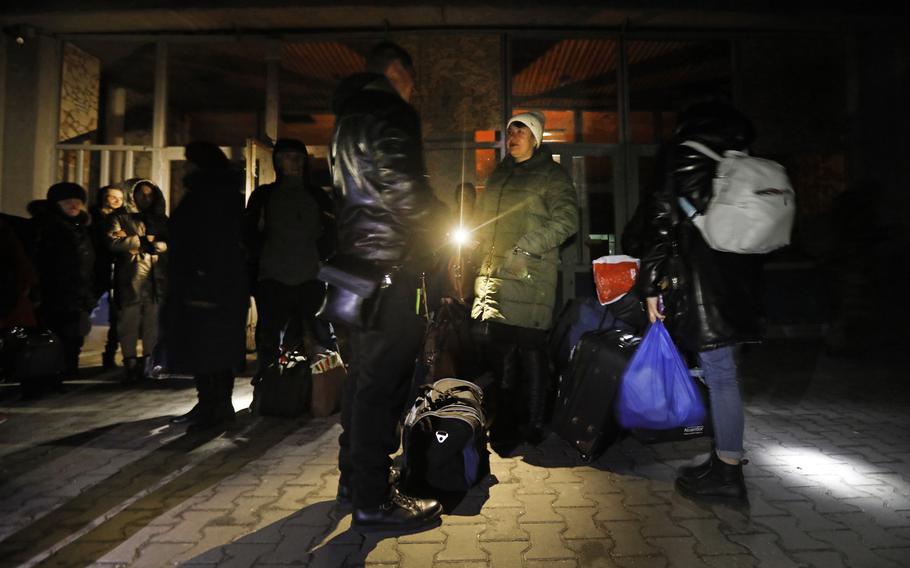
(119, 234)
(653, 311)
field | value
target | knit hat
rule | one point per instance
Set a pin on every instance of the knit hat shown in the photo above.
(65, 190)
(534, 121)
(206, 155)
(289, 145)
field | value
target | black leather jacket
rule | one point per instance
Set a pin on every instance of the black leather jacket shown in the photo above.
(378, 172)
(717, 297)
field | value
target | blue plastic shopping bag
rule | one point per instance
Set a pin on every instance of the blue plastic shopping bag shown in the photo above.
(656, 390)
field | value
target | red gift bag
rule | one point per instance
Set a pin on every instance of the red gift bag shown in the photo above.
(614, 276)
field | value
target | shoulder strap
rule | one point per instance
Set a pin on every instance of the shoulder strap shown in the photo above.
(688, 209)
(703, 149)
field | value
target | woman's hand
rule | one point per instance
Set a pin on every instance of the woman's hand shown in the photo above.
(653, 310)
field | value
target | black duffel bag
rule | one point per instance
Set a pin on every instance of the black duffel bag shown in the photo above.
(444, 439)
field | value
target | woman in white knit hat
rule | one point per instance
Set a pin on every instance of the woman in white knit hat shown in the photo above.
(527, 210)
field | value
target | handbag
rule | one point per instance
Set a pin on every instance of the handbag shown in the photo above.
(327, 374)
(284, 389)
(28, 354)
(354, 290)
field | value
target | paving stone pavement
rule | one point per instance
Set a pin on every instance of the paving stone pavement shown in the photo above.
(97, 476)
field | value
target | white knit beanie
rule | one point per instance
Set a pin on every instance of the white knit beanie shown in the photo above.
(534, 121)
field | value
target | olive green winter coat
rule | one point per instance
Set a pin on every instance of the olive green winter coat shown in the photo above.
(531, 205)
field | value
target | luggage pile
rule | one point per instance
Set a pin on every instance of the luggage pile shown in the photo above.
(604, 389)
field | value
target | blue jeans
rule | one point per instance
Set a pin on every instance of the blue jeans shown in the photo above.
(726, 403)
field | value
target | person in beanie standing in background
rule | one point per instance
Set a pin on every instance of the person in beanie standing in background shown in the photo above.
(528, 209)
(384, 221)
(65, 261)
(289, 227)
(205, 305)
(137, 234)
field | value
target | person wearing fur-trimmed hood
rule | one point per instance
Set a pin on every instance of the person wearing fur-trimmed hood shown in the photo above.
(137, 235)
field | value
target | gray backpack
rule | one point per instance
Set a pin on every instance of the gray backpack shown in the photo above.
(753, 205)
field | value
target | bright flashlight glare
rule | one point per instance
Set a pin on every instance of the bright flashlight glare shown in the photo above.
(461, 236)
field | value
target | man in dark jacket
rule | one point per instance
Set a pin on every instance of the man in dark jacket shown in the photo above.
(289, 227)
(379, 172)
(712, 298)
(205, 305)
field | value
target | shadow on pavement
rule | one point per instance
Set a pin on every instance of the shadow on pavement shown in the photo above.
(86, 527)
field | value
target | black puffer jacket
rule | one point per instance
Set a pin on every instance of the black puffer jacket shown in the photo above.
(65, 260)
(718, 302)
(379, 173)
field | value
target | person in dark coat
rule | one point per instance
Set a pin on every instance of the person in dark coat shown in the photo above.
(108, 200)
(17, 279)
(712, 298)
(65, 260)
(205, 306)
(384, 221)
(137, 235)
(289, 229)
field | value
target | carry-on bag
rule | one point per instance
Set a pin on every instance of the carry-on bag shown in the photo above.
(584, 413)
(444, 438)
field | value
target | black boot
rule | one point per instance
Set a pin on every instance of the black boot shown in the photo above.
(224, 385)
(535, 374)
(108, 360)
(141, 363)
(130, 365)
(722, 482)
(190, 416)
(205, 408)
(696, 471)
(345, 494)
(399, 513)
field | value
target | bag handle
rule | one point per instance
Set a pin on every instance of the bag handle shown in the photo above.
(703, 149)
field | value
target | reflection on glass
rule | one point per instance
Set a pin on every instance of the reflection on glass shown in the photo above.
(665, 76)
(572, 82)
(217, 92)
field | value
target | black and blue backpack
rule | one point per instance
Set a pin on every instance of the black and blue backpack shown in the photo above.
(444, 438)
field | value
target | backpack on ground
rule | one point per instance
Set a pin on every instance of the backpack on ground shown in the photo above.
(753, 206)
(444, 435)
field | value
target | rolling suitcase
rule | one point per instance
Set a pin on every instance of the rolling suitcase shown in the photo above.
(584, 413)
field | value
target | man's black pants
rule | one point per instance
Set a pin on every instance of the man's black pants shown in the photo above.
(289, 309)
(376, 392)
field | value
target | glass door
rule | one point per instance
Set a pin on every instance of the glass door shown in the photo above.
(597, 174)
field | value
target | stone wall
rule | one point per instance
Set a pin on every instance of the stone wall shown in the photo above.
(80, 89)
(459, 83)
